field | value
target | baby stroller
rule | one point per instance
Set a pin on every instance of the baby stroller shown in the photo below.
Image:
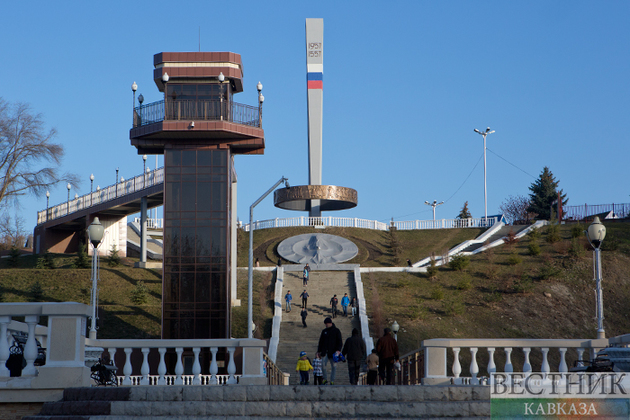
(104, 373)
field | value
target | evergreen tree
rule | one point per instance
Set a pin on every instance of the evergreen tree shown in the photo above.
(114, 258)
(543, 193)
(464, 213)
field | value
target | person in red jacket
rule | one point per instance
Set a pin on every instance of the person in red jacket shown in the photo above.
(387, 349)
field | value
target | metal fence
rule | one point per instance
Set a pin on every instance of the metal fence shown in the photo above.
(616, 211)
(112, 192)
(196, 111)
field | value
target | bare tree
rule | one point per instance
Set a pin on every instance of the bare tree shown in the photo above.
(12, 232)
(29, 159)
(515, 210)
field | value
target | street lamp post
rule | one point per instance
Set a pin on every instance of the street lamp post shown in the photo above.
(134, 87)
(485, 189)
(250, 272)
(395, 328)
(68, 202)
(434, 205)
(47, 203)
(144, 168)
(261, 99)
(91, 188)
(221, 80)
(595, 234)
(95, 236)
(117, 181)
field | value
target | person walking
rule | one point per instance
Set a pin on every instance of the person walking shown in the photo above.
(305, 274)
(304, 297)
(333, 305)
(288, 298)
(345, 301)
(330, 344)
(372, 365)
(318, 377)
(354, 304)
(387, 348)
(304, 314)
(354, 350)
(303, 366)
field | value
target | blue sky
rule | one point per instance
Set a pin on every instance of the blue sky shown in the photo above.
(405, 84)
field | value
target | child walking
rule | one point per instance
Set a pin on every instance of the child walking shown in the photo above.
(303, 366)
(318, 374)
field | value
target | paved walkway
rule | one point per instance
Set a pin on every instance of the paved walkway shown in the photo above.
(295, 338)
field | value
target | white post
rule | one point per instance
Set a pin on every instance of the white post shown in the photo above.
(509, 368)
(491, 366)
(474, 368)
(30, 348)
(4, 346)
(162, 367)
(563, 363)
(196, 370)
(527, 367)
(580, 352)
(231, 366)
(457, 368)
(214, 367)
(127, 369)
(144, 370)
(179, 367)
(545, 363)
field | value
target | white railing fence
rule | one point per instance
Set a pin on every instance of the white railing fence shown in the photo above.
(436, 355)
(355, 222)
(103, 195)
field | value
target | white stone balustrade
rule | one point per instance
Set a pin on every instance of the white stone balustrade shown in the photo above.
(137, 370)
(435, 355)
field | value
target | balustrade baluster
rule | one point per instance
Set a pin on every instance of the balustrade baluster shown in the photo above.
(563, 362)
(179, 366)
(457, 368)
(196, 369)
(527, 367)
(4, 346)
(474, 367)
(231, 366)
(545, 363)
(127, 369)
(509, 368)
(491, 366)
(162, 367)
(580, 360)
(144, 370)
(30, 348)
(214, 368)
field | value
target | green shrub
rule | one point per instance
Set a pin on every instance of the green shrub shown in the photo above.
(533, 248)
(576, 250)
(493, 297)
(534, 233)
(432, 270)
(140, 293)
(114, 258)
(453, 307)
(82, 261)
(437, 293)
(514, 259)
(553, 233)
(464, 284)
(577, 231)
(459, 262)
(14, 257)
(548, 271)
(524, 285)
(36, 293)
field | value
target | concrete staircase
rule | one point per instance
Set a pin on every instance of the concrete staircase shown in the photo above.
(242, 402)
(294, 338)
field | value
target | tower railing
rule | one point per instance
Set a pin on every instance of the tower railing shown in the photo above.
(196, 110)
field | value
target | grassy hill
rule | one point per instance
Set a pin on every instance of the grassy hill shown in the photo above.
(516, 290)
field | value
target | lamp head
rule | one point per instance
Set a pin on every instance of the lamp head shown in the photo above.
(477, 131)
(91, 177)
(68, 186)
(596, 232)
(427, 203)
(395, 327)
(165, 77)
(95, 232)
(259, 87)
(47, 194)
(144, 157)
(141, 99)
(221, 77)
(134, 86)
(261, 98)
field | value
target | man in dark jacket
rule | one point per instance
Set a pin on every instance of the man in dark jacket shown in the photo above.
(354, 350)
(387, 348)
(330, 342)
